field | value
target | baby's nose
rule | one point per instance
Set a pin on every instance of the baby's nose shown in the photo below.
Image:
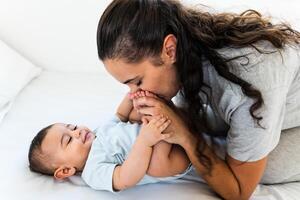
(77, 133)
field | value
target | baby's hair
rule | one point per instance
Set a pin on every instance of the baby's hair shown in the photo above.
(38, 159)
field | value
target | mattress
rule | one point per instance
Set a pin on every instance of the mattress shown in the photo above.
(84, 98)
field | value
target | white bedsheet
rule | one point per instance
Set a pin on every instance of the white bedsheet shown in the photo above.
(82, 98)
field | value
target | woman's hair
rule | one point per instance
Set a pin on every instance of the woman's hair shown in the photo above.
(38, 160)
(135, 29)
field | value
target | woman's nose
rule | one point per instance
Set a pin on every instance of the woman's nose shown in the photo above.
(134, 89)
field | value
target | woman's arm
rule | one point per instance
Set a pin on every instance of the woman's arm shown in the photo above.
(167, 160)
(231, 179)
(135, 166)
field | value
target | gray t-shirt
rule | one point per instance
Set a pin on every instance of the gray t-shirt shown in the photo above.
(277, 77)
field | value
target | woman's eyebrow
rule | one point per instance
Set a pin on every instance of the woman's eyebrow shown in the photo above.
(129, 80)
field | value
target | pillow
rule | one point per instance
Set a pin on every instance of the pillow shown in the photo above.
(15, 73)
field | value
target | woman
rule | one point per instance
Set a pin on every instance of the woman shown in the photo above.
(242, 67)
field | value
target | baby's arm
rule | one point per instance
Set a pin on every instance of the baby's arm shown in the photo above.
(167, 160)
(135, 166)
(125, 108)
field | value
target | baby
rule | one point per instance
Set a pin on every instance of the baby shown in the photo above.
(117, 156)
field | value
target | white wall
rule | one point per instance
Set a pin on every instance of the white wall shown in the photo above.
(53, 34)
(61, 34)
(278, 9)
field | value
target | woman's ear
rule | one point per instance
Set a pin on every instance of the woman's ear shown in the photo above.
(169, 49)
(64, 172)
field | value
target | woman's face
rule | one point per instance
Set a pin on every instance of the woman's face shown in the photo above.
(160, 80)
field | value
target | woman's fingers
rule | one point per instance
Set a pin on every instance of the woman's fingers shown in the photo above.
(148, 111)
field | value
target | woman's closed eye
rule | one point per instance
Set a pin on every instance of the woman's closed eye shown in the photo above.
(139, 82)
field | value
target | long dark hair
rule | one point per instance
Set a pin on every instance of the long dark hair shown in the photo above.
(135, 29)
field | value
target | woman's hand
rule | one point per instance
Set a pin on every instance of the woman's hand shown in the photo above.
(152, 106)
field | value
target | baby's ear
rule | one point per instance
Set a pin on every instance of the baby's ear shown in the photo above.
(64, 172)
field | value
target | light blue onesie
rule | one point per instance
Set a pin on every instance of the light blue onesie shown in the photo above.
(109, 149)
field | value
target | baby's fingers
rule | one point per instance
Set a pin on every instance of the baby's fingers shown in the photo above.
(165, 136)
(160, 121)
(144, 121)
(164, 125)
(157, 120)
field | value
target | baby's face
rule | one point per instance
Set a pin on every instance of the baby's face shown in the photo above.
(68, 145)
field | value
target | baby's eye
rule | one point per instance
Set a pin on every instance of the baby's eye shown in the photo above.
(70, 139)
(75, 128)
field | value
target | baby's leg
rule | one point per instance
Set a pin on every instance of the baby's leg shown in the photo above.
(284, 161)
(167, 160)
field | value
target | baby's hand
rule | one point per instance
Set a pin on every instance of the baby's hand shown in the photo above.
(151, 133)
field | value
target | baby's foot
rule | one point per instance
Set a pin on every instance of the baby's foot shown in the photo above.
(143, 93)
(135, 95)
(150, 94)
(140, 94)
(131, 95)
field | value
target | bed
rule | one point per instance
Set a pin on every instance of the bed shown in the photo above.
(48, 54)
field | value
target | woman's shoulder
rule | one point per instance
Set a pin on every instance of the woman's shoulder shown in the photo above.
(263, 65)
(266, 72)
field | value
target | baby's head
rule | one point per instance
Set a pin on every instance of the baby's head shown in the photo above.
(60, 150)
